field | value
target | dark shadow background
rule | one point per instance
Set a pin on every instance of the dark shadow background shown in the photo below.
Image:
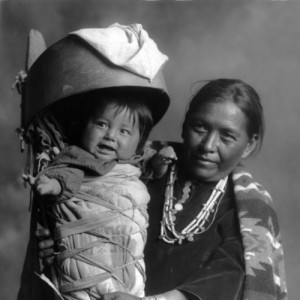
(257, 41)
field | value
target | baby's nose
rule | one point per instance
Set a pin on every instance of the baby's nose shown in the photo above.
(110, 134)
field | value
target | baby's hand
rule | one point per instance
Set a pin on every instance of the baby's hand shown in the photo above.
(44, 185)
(47, 186)
(166, 155)
(161, 160)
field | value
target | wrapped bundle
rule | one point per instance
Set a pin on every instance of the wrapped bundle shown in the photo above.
(101, 235)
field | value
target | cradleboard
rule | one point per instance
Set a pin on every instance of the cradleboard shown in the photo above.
(34, 283)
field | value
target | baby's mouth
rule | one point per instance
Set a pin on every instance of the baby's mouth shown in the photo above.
(105, 148)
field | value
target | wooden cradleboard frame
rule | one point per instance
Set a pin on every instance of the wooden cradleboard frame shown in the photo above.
(31, 286)
(35, 47)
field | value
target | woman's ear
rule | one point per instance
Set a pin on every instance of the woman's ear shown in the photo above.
(251, 146)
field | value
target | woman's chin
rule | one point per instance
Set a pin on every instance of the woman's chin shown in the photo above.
(205, 174)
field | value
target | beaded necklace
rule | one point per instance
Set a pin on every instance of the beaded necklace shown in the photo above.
(198, 225)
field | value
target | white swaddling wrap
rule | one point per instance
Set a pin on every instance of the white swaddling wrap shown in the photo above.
(102, 233)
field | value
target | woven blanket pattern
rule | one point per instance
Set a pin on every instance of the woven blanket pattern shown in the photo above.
(263, 253)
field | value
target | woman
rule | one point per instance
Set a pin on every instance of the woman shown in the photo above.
(213, 233)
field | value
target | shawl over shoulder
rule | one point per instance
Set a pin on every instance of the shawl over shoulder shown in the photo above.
(263, 253)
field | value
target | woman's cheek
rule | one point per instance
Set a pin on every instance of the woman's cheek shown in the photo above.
(193, 138)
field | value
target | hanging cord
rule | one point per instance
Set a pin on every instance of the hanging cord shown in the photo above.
(44, 143)
(19, 84)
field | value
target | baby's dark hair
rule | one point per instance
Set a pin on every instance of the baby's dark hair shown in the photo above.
(84, 106)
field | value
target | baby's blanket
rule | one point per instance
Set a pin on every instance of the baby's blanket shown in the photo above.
(101, 235)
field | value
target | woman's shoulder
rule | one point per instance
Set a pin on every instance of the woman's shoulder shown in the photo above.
(260, 232)
(252, 200)
(245, 184)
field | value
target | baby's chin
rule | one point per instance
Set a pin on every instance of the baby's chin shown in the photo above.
(105, 155)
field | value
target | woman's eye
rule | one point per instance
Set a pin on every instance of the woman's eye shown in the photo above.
(199, 129)
(228, 138)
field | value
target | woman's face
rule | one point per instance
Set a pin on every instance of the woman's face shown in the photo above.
(215, 140)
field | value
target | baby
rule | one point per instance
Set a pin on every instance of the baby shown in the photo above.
(97, 201)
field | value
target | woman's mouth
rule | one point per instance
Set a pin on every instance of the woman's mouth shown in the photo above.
(205, 161)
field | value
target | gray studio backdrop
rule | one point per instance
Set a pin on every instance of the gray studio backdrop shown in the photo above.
(257, 41)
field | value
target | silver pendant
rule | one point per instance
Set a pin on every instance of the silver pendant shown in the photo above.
(178, 206)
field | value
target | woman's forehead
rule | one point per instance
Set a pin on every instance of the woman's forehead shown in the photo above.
(225, 113)
(207, 107)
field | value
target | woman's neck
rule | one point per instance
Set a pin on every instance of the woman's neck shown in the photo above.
(184, 175)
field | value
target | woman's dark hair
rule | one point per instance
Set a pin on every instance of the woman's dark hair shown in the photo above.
(82, 107)
(241, 94)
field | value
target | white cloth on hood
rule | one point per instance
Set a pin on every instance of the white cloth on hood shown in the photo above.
(128, 47)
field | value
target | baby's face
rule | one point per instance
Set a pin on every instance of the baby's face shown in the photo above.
(111, 134)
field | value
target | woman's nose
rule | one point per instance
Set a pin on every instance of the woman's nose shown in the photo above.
(210, 142)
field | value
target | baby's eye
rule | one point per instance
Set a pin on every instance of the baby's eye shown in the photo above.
(101, 124)
(125, 131)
